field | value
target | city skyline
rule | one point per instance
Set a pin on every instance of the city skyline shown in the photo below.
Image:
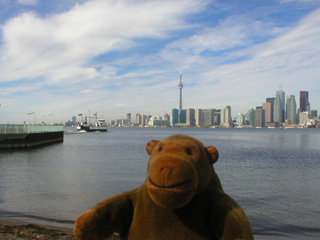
(63, 58)
(276, 111)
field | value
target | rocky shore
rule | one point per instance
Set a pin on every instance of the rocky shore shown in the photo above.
(13, 231)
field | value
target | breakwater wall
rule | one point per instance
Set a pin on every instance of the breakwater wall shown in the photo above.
(28, 136)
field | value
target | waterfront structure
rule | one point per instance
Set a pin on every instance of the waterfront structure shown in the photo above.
(156, 121)
(180, 91)
(28, 136)
(304, 101)
(291, 110)
(259, 117)
(190, 117)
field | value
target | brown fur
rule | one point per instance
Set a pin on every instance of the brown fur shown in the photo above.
(182, 198)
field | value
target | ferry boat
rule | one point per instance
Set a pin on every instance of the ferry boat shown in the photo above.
(99, 126)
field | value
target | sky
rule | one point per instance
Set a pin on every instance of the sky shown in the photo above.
(62, 58)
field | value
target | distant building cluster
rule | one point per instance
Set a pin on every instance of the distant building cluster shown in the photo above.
(143, 121)
(282, 112)
(201, 117)
(277, 111)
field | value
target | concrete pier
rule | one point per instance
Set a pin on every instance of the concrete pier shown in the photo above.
(28, 136)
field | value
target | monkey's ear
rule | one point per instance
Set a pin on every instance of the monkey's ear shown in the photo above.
(150, 146)
(212, 153)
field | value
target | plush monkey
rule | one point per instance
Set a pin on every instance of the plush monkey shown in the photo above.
(181, 198)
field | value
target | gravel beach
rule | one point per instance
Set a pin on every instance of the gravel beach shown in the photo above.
(25, 231)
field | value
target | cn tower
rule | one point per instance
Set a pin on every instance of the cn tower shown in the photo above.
(180, 88)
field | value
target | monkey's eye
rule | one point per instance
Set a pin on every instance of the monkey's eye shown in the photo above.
(188, 151)
(160, 149)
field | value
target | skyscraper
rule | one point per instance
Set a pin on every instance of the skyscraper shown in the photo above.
(190, 117)
(291, 109)
(144, 120)
(180, 89)
(174, 117)
(270, 100)
(267, 107)
(250, 117)
(216, 118)
(129, 117)
(225, 117)
(278, 108)
(304, 101)
(198, 117)
(138, 119)
(205, 117)
(182, 116)
(167, 117)
(259, 117)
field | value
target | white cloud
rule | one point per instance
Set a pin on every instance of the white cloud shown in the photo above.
(35, 46)
(56, 50)
(291, 59)
(55, 60)
(232, 32)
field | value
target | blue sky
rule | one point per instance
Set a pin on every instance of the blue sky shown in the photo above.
(61, 58)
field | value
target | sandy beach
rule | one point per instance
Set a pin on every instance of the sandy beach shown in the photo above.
(28, 231)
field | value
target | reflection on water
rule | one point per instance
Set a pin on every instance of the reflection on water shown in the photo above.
(273, 173)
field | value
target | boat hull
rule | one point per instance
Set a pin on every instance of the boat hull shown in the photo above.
(92, 129)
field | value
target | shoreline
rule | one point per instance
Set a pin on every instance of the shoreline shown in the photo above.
(20, 230)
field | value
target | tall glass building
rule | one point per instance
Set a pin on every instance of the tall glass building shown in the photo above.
(190, 117)
(259, 117)
(271, 101)
(174, 117)
(304, 101)
(278, 108)
(225, 118)
(182, 116)
(291, 109)
(251, 117)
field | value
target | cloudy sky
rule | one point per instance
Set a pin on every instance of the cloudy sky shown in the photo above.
(62, 58)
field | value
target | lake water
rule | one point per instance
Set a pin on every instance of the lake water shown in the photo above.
(273, 173)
